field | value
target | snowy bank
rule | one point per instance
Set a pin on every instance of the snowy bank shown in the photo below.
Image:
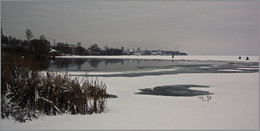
(234, 105)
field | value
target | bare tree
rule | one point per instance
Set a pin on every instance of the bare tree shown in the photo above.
(78, 44)
(42, 37)
(28, 34)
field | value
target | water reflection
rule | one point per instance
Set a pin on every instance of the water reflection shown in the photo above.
(94, 62)
(68, 63)
(79, 63)
(105, 64)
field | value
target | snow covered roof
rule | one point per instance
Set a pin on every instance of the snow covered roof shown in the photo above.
(52, 50)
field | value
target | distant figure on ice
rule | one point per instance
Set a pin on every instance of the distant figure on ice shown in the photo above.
(247, 58)
(239, 57)
(172, 55)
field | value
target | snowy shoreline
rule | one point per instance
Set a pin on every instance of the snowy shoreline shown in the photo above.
(233, 104)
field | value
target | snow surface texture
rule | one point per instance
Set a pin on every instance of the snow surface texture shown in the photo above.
(234, 104)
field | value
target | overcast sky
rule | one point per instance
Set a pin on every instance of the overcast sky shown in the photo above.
(198, 27)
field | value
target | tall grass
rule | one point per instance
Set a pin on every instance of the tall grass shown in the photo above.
(27, 94)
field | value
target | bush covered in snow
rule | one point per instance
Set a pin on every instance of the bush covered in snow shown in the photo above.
(27, 94)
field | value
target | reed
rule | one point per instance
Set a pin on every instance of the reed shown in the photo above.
(27, 94)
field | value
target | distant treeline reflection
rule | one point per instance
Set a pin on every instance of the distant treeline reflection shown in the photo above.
(103, 64)
(94, 63)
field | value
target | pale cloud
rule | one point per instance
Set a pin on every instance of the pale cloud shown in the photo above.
(198, 27)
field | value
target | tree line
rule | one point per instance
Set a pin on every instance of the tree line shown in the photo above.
(43, 46)
(27, 92)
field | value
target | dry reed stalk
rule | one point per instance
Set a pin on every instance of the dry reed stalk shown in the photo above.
(26, 94)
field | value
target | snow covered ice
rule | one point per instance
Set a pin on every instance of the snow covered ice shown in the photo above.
(234, 103)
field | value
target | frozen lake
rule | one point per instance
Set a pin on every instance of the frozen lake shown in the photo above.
(184, 93)
(132, 66)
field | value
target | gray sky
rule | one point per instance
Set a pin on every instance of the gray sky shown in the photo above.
(198, 27)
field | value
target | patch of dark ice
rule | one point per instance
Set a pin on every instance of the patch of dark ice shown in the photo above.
(174, 90)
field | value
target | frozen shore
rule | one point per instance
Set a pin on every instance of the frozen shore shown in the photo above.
(170, 67)
(234, 105)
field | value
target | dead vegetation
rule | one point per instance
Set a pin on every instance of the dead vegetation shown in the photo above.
(27, 94)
